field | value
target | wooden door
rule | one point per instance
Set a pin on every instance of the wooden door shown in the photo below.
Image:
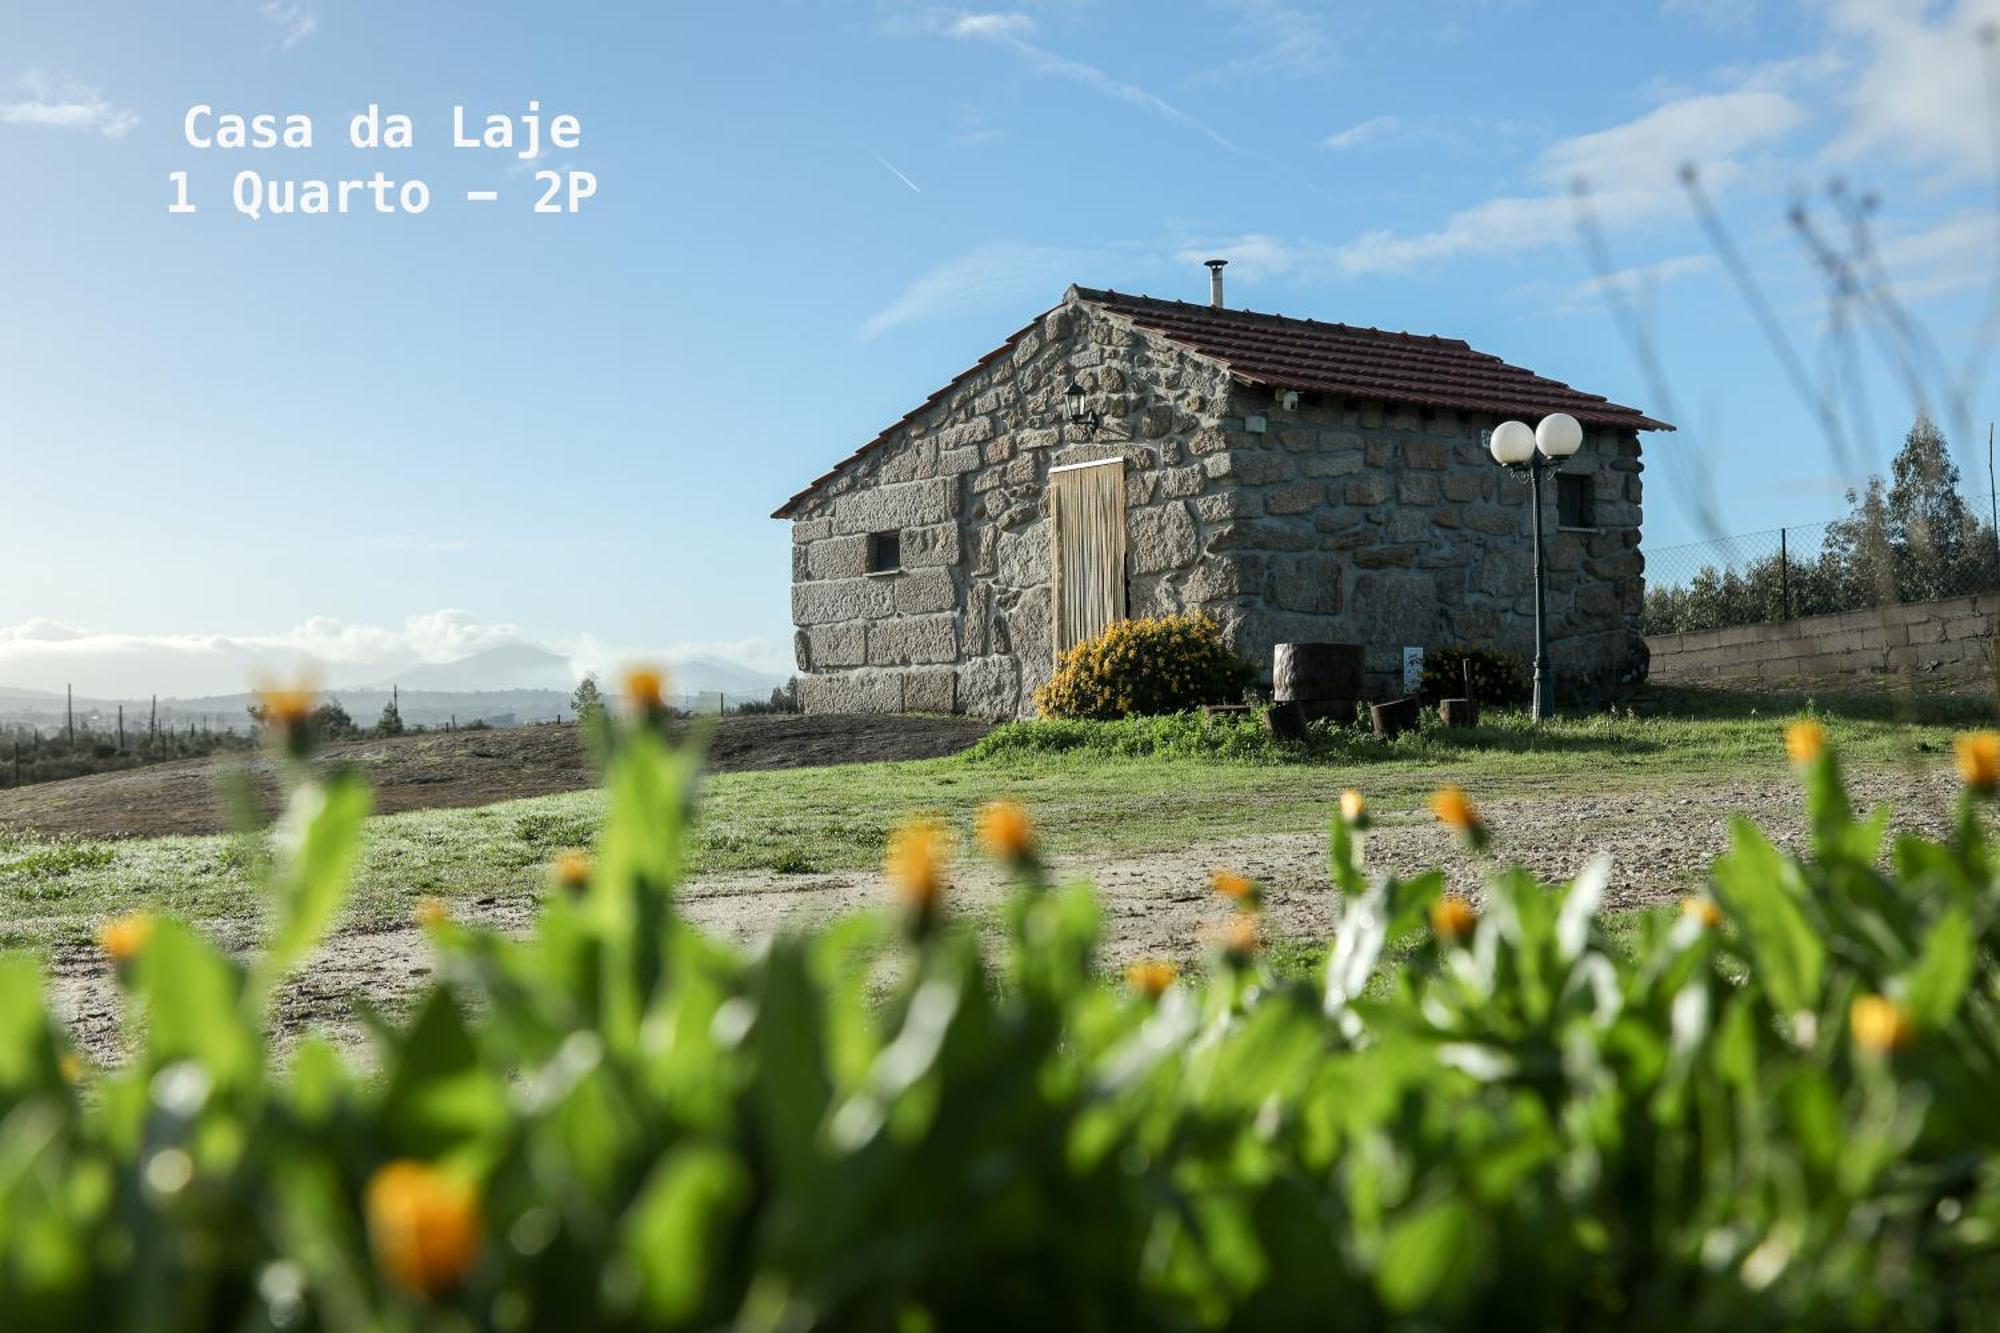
(1086, 549)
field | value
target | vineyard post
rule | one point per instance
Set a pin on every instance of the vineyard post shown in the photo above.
(69, 713)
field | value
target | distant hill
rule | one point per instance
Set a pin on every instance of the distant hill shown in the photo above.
(512, 666)
(706, 675)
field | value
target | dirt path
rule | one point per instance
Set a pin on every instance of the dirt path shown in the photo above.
(453, 769)
(1155, 904)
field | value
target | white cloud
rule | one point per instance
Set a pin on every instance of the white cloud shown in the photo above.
(1640, 281)
(47, 655)
(65, 104)
(293, 20)
(1630, 171)
(1010, 32)
(1919, 86)
(1005, 273)
(1290, 44)
(1375, 127)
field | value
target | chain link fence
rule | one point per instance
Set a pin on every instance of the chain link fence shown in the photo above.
(1815, 569)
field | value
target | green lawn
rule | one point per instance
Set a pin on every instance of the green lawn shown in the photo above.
(1093, 787)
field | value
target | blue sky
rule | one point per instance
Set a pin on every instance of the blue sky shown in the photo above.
(393, 438)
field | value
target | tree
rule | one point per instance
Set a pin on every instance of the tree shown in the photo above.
(331, 722)
(587, 702)
(391, 723)
(1931, 531)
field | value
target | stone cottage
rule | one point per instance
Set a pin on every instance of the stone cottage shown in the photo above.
(1128, 456)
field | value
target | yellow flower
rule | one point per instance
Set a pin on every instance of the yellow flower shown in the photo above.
(1006, 830)
(1978, 756)
(1353, 806)
(71, 1067)
(1452, 918)
(1454, 810)
(423, 1226)
(1237, 888)
(646, 687)
(286, 705)
(916, 865)
(1880, 1025)
(1151, 977)
(431, 913)
(571, 870)
(1241, 937)
(286, 712)
(125, 938)
(1703, 909)
(1805, 741)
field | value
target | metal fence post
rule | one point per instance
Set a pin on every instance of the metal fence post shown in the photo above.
(1784, 574)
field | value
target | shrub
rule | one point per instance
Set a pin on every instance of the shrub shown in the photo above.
(1156, 664)
(1499, 679)
(1770, 1108)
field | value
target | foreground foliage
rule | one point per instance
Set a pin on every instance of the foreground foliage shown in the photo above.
(1772, 1109)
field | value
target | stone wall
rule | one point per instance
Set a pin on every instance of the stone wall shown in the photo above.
(1944, 645)
(1391, 528)
(966, 625)
(1307, 520)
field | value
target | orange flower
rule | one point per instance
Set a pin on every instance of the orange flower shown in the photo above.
(1805, 741)
(1151, 977)
(1703, 909)
(916, 865)
(1978, 756)
(1880, 1025)
(1236, 888)
(286, 705)
(571, 870)
(1454, 810)
(423, 1226)
(646, 687)
(125, 938)
(431, 913)
(1006, 830)
(286, 711)
(1452, 918)
(1242, 936)
(1353, 806)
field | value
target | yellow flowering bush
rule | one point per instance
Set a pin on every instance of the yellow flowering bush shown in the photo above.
(1768, 1108)
(1152, 665)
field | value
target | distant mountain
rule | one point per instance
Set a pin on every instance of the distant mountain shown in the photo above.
(707, 675)
(513, 666)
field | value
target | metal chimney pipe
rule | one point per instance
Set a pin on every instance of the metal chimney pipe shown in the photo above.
(1215, 267)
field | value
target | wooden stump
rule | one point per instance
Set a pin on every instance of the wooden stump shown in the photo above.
(1286, 721)
(1315, 671)
(1397, 716)
(1330, 710)
(1458, 712)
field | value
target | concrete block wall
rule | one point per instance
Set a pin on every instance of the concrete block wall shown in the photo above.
(1945, 646)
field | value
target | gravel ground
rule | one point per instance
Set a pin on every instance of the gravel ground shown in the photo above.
(1155, 904)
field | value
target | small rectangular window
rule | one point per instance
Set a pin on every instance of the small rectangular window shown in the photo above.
(1575, 507)
(885, 552)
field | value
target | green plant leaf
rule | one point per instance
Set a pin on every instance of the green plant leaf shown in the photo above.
(1762, 891)
(1936, 982)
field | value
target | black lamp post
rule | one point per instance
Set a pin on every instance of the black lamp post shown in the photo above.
(1530, 455)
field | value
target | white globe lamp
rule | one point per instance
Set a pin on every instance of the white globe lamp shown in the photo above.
(1559, 435)
(1512, 443)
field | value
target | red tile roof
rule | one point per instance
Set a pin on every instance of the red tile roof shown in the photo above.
(1279, 352)
(1372, 364)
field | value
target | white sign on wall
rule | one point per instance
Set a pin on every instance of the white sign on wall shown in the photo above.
(1413, 669)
